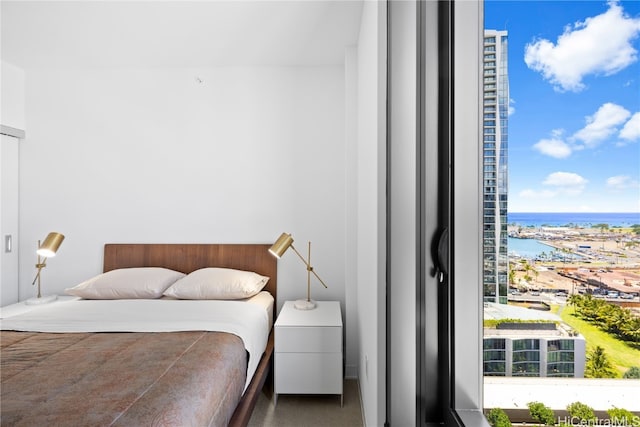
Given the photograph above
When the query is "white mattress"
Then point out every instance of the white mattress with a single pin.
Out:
(250, 319)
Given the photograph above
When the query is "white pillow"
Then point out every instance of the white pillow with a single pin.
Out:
(127, 283)
(217, 283)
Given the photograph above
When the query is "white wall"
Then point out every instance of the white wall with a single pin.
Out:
(403, 219)
(371, 206)
(12, 82)
(158, 156)
(351, 248)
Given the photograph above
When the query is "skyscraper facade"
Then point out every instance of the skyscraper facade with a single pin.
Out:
(495, 174)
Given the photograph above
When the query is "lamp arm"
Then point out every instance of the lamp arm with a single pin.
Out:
(36, 278)
(318, 277)
(39, 266)
(309, 267)
(301, 257)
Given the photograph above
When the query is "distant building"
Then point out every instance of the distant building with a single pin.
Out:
(533, 356)
(531, 349)
(495, 185)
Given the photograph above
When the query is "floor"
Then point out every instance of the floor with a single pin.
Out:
(309, 411)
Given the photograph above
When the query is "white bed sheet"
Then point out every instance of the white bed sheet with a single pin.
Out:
(250, 319)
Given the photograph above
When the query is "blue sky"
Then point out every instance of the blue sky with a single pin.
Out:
(574, 130)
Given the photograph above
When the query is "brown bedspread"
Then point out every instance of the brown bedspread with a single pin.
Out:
(128, 379)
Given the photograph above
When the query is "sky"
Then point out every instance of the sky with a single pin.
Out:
(574, 124)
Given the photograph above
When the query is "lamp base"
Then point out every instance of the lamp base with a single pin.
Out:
(42, 300)
(303, 304)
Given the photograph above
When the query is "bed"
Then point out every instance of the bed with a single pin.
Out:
(102, 373)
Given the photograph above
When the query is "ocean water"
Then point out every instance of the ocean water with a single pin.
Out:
(531, 248)
(527, 248)
(581, 219)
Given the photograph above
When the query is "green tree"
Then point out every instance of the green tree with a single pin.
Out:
(498, 418)
(512, 274)
(598, 364)
(609, 317)
(574, 299)
(541, 413)
(633, 372)
(620, 417)
(581, 411)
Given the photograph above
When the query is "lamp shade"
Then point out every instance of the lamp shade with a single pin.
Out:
(281, 245)
(50, 246)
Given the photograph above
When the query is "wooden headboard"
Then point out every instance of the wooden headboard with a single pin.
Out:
(190, 257)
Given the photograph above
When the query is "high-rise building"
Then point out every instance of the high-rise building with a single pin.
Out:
(495, 185)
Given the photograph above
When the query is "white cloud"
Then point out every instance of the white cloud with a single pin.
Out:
(599, 45)
(537, 194)
(512, 109)
(566, 182)
(602, 124)
(622, 182)
(561, 183)
(631, 129)
(553, 147)
(557, 133)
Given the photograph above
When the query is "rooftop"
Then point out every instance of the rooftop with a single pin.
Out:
(557, 393)
(497, 311)
(518, 330)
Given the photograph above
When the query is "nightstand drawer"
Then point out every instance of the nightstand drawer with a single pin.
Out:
(315, 373)
(308, 339)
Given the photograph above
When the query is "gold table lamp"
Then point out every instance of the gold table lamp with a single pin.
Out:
(284, 242)
(47, 249)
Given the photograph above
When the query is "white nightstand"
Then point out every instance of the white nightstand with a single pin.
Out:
(308, 350)
(22, 307)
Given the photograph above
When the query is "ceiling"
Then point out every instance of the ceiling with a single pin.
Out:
(157, 33)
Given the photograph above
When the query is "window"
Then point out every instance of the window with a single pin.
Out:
(542, 124)
(478, 255)
(494, 356)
